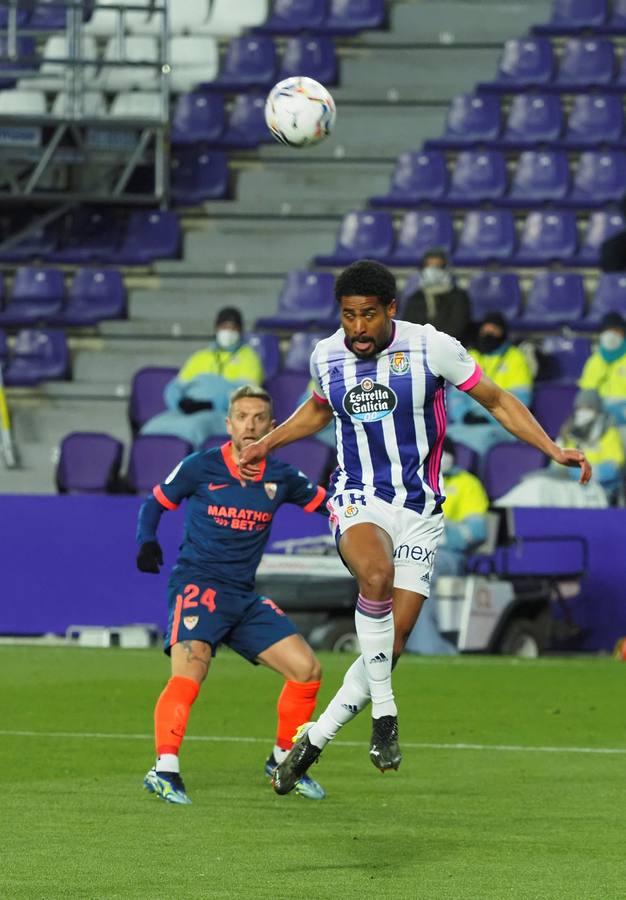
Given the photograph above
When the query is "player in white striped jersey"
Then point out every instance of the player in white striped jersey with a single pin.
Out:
(383, 382)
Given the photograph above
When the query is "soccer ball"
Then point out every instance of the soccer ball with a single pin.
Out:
(300, 112)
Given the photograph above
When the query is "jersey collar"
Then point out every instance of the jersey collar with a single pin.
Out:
(231, 465)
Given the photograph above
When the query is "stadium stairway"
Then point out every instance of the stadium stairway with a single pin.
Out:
(395, 87)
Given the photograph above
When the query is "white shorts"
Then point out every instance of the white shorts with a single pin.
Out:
(415, 538)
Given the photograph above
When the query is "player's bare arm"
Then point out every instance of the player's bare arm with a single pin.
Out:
(517, 418)
(308, 419)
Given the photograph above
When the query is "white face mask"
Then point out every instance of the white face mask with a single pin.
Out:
(611, 340)
(447, 462)
(433, 275)
(227, 338)
(584, 416)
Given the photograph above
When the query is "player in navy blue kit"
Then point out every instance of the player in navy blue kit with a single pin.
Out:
(211, 588)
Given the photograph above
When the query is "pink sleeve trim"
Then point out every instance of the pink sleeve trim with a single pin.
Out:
(316, 501)
(320, 399)
(472, 381)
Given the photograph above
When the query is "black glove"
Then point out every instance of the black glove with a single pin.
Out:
(188, 406)
(150, 557)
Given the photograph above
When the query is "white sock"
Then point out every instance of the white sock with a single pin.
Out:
(279, 753)
(168, 762)
(374, 628)
(349, 700)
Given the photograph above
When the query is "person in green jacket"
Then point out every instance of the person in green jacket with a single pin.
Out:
(605, 370)
(197, 399)
(506, 365)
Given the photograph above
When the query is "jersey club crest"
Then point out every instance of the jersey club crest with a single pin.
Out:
(399, 363)
(270, 489)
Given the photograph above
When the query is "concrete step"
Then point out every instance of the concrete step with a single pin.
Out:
(125, 357)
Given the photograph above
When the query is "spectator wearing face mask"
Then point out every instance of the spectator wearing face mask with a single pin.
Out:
(504, 364)
(591, 429)
(197, 399)
(438, 301)
(465, 514)
(605, 370)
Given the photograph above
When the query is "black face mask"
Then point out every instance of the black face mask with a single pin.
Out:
(487, 343)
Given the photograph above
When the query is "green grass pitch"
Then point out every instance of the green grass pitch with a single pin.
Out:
(454, 822)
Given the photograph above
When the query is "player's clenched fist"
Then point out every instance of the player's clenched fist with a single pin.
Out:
(150, 557)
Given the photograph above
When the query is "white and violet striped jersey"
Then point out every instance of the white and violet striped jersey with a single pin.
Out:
(390, 412)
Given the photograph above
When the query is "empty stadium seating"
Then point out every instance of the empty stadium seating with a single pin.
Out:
(418, 176)
(89, 463)
(146, 394)
(362, 234)
(37, 356)
(152, 458)
(506, 464)
(306, 299)
(197, 176)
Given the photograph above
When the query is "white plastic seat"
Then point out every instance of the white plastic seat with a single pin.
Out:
(92, 106)
(104, 21)
(51, 75)
(22, 103)
(193, 60)
(136, 105)
(228, 19)
(135, 49)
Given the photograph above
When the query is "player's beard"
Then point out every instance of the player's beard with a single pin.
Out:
(375, 347)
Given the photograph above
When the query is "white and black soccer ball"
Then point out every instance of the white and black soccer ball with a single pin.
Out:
(300, 112)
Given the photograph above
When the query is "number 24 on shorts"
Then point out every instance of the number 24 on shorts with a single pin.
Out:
(190, 593)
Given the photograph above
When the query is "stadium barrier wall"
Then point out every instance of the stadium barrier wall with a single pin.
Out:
(70, 560)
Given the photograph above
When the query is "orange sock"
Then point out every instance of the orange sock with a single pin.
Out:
(172, 712)
(295, 706)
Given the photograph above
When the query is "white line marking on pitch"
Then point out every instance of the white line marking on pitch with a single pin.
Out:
(498, 748)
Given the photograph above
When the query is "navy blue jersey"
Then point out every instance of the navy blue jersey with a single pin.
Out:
(227, 521)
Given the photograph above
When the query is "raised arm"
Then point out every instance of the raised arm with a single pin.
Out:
(516, 418)
(309, 418)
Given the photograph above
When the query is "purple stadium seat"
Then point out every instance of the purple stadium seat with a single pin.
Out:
(26, 57)
(309, 455)
(198, 117)
(38, 356)
(600, 178)
(90, 235)
(146, 394)
(300, 348)
(4, 348)
(22, 15)
(49, 15)
(306, 299)
(311, 55)
(150, 235)
(465, 458)
(547, 236)
(268, 348)
(525, 62)
(293, 16)
(89, 463)
(562, 359)
(617, 16)
(594, 119)
(586, 62)
(610, 296)
(37, 296)
(540, 176)
(571, 16)
(471, 119)
(246, 124)
(198, 175)
(421, 230)
(250, 62)
(552, 404)
(285, 390)
(152, 458)
(602, 225)
(495, 292)
(555, 299)
(506, 464)
(487, 236)
(94, 295)
(41, 243)
(350, 16)
(419, 176)
(361, 234)
(478, 176)
(533, 119)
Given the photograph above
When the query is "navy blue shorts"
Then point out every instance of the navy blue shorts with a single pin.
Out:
(206, 611)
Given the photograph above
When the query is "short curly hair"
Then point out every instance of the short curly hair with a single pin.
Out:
(366, 278)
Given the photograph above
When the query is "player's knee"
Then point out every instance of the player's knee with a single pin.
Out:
(309, 669)
(377, 583)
